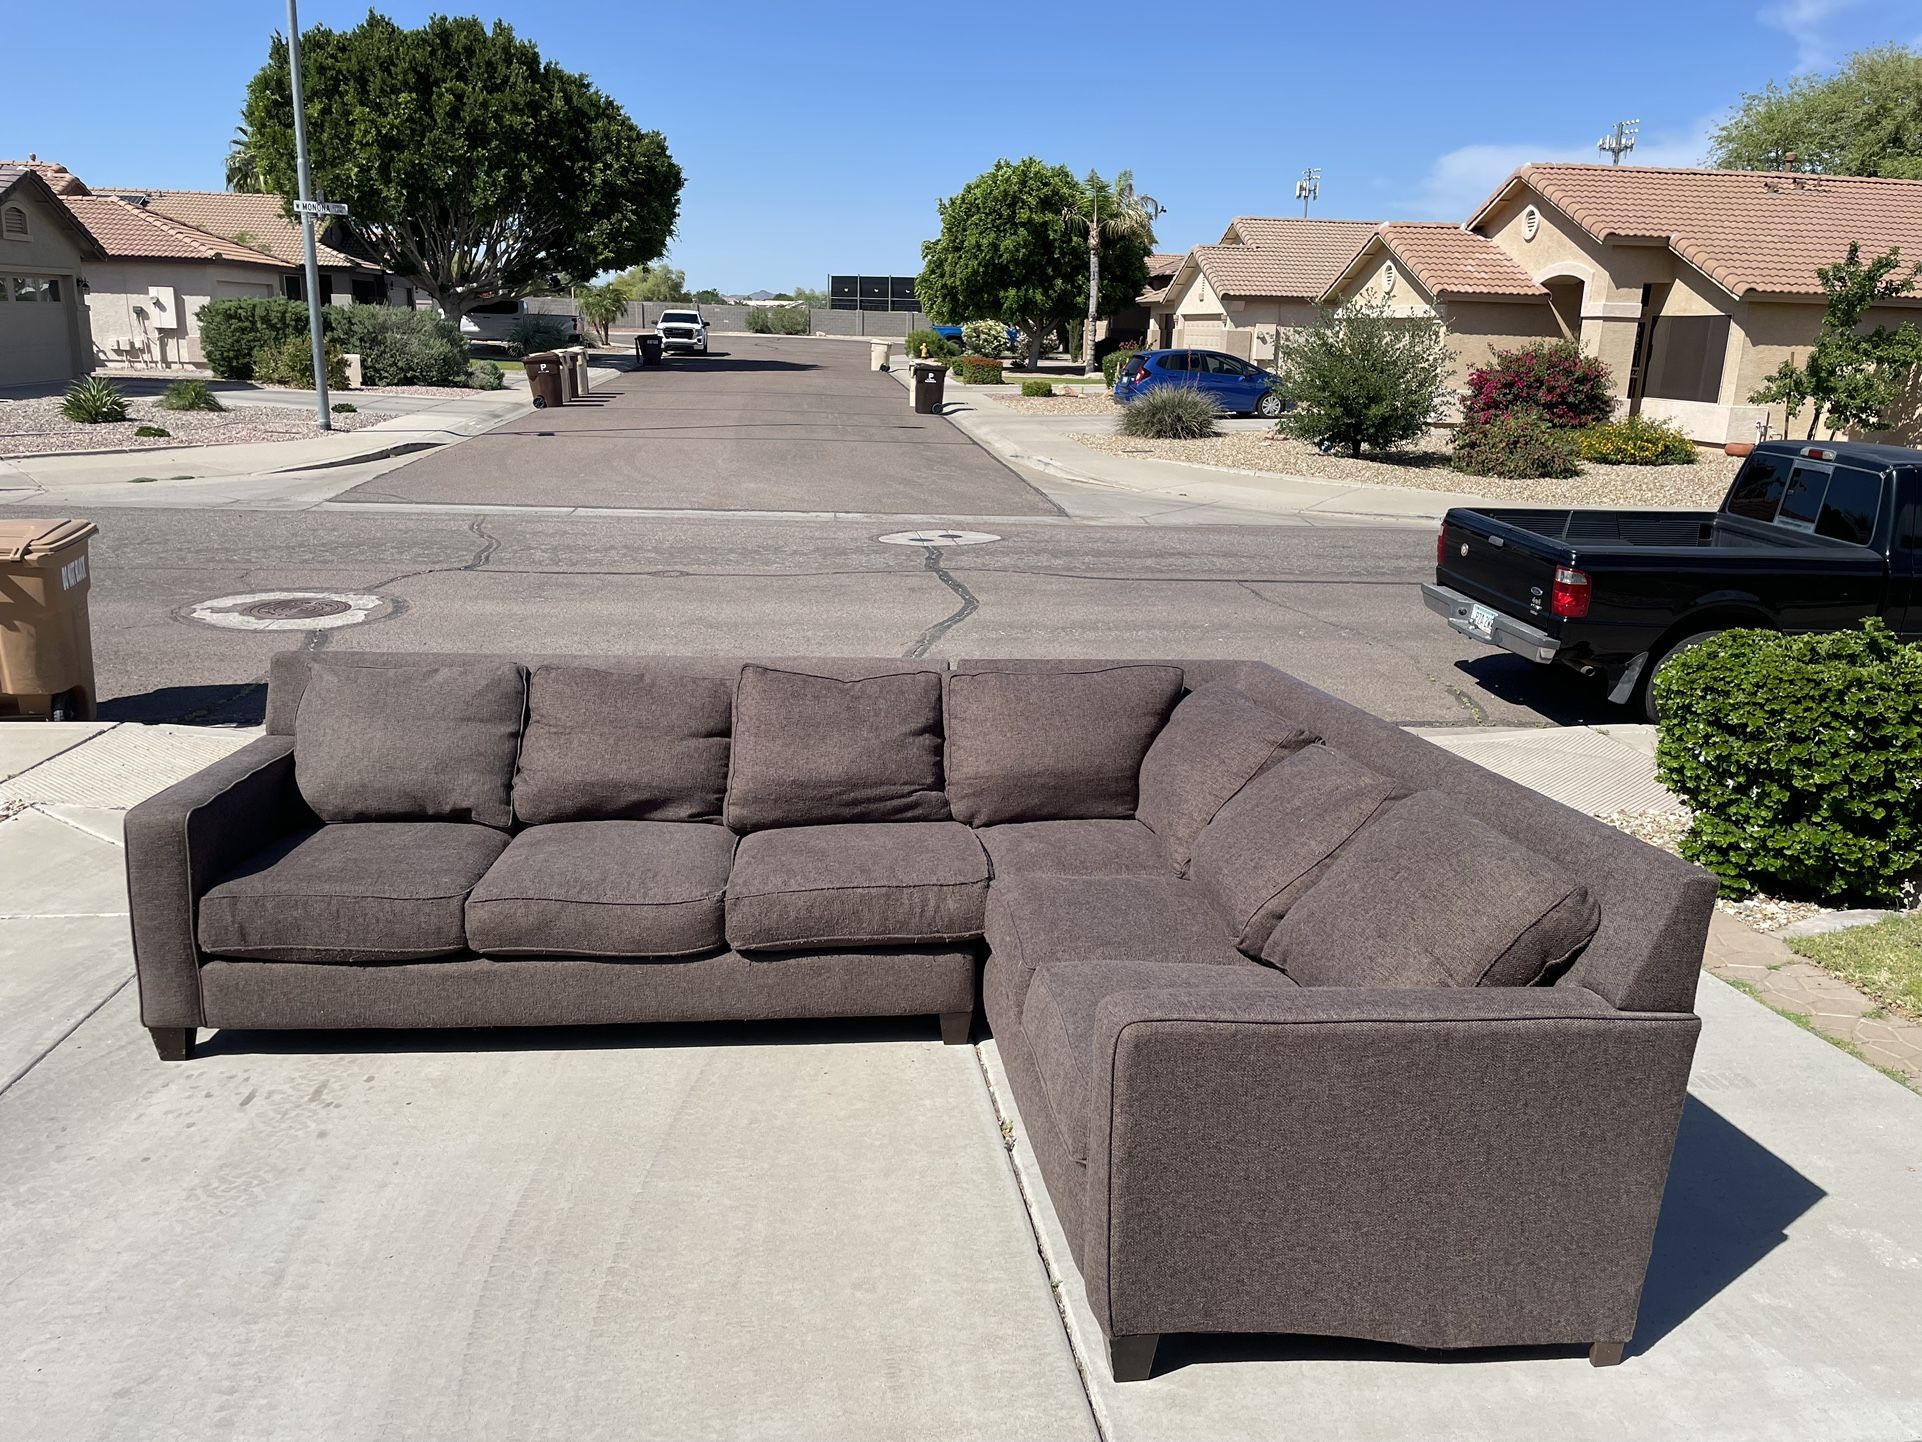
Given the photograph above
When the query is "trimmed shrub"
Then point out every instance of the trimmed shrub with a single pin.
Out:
(985, 337)
(532, 332)
(1801, 757)
(343, 408)
(291, 363)
(485, 376)
(151, 433)
(190, 396)
(1171, 413)
(939, 346)
(1362, 377)
(1556, 380)
(1037, 388)
(980, 370)
(1636, 441)
(234, 331)
(94, 401)
(1517, 446)
(1112, 363)
(401, 347)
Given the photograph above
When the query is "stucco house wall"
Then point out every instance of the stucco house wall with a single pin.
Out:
(130, 329)
(40, 340)
(1473, 330)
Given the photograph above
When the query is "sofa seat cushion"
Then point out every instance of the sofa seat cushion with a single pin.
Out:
(1430, 896)
(1058, 1023)
(1271, 843)
(1216, 741)
(1052, 745)
(604, 889)
(1074, 848)
(1039, 921)
(885, 884)
(350, 892)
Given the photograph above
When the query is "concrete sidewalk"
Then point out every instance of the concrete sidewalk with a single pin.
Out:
(784, 1230)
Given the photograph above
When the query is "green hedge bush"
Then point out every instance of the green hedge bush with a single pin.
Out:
(985, 337)
(1516, 445)
(939, 346)
(399, 347)
(778, 320)
(234, 331)
(291, 363)
(485, 376)
(1171, 413)
(1037, 388)
(1112, 363)
(980, 370)
(1636, 441)
(1801, 757)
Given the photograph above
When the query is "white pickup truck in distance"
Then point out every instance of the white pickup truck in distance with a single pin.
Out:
(682, 330)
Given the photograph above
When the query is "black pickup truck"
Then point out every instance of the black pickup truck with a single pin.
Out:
(1809, 538)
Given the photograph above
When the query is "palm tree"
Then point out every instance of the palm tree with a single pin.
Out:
(243, 166)
(1113, 213)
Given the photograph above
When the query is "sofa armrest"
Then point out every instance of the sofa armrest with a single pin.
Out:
(179, 842)
(1436, 1167)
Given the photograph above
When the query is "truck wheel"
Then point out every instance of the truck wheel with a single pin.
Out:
(1687, 643)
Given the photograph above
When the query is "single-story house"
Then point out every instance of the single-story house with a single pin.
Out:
(1266, 274)
(1129, 325)
(44, 252)
(1693, 285)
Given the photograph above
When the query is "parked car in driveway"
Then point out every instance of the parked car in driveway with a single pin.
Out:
(494, 320)
(952, 334)
(1231, 382)
(682, 330)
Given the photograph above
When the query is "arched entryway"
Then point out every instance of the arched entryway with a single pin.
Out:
(1565, 300)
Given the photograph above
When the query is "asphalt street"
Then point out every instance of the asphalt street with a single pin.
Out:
(460, 562)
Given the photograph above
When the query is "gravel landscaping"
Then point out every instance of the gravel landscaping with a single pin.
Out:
(1425, 468)
(36, 427)
(1100, 404)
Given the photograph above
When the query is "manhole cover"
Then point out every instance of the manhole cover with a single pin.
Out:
(937, 536)
(289, 610)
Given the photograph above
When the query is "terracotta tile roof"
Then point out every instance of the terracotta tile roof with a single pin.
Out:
(129, 232)
(59, 179)
(1751, 231)
(1296, 230)
(1286, 257)
(15, 174)
(1164, 263)
(1448, 260)
(258, 217)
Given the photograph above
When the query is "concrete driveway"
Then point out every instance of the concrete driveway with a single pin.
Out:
(757, 425)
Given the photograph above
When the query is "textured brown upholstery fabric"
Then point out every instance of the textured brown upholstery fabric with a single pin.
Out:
(1052, 745)
(811, 887)
(609, 889)
(1268, 846)
(419, 743)
(813, 750)
(621, 746)
(1074, 848)
(1058, 1022)
(350, 892)
(179, 842)
(1429, 897)
(1216, 741)
(878, 981)
(1037, 921)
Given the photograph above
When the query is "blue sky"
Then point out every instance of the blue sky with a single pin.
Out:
(818, 137)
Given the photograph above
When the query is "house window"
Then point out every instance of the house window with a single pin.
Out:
(293, 287)
(369, 292)
(1686, 363)
(13, 224)
(26, 288)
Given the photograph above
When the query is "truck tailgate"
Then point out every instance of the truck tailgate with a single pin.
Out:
(1498, 565)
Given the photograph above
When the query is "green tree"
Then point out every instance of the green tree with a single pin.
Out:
(243, 167)
(1363, 377)
(709, 296)
(1004, 253)
(1113, 215)
(1865, 119)
(656, 283)
(470, 164)
(1853, 378)
(601, 305)
(812, 299)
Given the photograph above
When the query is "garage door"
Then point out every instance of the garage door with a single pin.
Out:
(1200, 334)
(35, 343)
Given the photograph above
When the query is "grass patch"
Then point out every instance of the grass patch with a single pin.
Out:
(1883, 961)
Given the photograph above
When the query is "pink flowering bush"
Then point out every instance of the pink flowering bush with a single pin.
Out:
(1554, 379)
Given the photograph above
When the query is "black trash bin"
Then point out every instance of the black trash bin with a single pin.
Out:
(930, 385)
(647, 348)
(544, 379)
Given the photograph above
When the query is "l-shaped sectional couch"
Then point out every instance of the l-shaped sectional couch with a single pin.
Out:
(1314, 1027)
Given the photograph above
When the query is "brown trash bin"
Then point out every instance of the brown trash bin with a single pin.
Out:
(544, 379)
(647, 348)
(46, 642)
(930, 386)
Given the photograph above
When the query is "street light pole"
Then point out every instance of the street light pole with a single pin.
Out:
(324, 417)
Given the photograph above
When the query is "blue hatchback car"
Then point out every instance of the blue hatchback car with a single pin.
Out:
(1236, 386)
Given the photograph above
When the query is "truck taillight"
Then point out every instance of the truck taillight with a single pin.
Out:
(1441, 544)
(1569, 597)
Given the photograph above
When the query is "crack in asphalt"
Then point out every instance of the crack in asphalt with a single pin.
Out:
(931, 563)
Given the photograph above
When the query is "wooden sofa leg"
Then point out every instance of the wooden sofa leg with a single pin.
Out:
(174, 1043)
(1606, 1354)
(955, 1026)
(1132, 1359)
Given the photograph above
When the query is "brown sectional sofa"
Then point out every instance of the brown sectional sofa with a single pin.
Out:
(1314, 1027)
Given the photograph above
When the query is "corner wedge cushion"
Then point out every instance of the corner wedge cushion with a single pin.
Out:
(410, 743)
(1052, 745)
(1267, 845)
(1429, 896)
(811, 750)
(622, 746)
(1214, 744)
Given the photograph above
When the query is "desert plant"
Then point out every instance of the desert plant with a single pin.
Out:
(601, 305)
(485, 376)
(1801, 757)
(1362, 377)
(1037, 388)
(777, 320)
(400, 347)
(980, 370)
(94, 401)
(1636, 441)
(939, 347)
(151, 433)
(1516, 445)
(1171, 413)
(532, 333)
(1112, 363)
(291, 363)
(234, 331)
(343, 408)
(190, 396)
(985, 338)
(1556, 380)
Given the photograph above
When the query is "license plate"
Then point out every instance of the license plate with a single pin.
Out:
(1481, 621)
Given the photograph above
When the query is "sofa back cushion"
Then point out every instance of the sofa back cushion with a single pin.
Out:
(1214, 744)
(1429, 896)
(1269, 844)
(410, 743)
(1052, 745)
(622, 746)
(814, 751)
